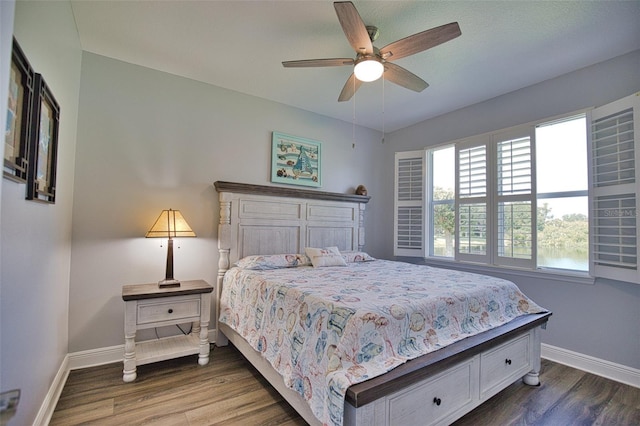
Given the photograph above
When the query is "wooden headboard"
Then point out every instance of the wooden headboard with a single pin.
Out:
(258, 219)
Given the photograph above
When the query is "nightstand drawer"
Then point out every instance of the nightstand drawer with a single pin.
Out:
(152, 311)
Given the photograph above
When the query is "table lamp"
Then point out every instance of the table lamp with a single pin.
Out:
(170, 224)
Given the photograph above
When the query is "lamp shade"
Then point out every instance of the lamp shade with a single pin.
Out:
(170, 224)
(368, 70)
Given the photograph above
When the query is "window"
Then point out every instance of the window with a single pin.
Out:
(555, 195)
(562, 194)
(442, 202)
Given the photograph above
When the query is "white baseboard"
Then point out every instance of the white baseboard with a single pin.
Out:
(600, 367)
(51, 399)
(108, 355)
(93, 357)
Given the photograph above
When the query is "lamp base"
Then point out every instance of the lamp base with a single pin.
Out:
(168, 283)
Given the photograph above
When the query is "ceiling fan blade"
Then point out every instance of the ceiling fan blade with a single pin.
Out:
(400, 76)
(420, 41)
(350, 88)
(332, 62)
(353, 27)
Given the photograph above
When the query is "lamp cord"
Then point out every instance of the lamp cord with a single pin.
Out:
(184, 332)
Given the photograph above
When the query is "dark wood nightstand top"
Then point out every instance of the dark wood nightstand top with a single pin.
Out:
(152, 290)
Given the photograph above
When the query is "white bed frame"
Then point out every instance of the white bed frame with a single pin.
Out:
(436, 388)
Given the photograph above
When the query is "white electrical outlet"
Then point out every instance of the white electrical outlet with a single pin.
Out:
(8, 405)
(9, 400)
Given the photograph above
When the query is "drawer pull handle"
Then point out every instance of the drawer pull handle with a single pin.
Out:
(437, 401)
(171, 311)
(507, 361)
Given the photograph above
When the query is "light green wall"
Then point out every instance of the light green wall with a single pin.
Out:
(148, 141)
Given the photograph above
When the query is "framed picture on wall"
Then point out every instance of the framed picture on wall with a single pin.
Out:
(295, 160)
(43, 146)
(16, 135)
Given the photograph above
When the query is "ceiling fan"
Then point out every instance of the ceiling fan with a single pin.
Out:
(370, 62)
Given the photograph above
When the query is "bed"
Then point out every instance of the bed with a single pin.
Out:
(432, 383)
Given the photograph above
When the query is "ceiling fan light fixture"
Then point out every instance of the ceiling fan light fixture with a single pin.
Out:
(368, 70)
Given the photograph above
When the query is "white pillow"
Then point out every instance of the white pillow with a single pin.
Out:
(273, 261)
(356, 256)
(328, 256)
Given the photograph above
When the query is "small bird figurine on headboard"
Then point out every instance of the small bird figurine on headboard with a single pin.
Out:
(361, 190)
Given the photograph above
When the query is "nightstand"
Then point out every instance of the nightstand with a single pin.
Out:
(148, 306)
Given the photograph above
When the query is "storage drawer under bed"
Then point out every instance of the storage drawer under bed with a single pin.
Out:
(504, 364)
(437, 400)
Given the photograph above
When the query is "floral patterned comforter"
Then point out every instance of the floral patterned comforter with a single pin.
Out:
(324, 329)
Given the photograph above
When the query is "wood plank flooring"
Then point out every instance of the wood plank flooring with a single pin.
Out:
(228, 391)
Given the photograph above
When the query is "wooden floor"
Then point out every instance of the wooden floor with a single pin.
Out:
(228, 391)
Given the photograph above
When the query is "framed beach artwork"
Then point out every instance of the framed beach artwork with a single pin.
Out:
(295, 160)
(43, 147)
(16, 135)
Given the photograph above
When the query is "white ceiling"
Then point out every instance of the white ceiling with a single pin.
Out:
(239, 45)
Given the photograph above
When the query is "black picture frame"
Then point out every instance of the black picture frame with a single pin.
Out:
(43, 146)
(19, 109)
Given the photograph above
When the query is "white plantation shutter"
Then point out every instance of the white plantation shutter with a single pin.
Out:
(514, 239)
(514, 166)
(495, 199)
(472, 214)
(615, 193)
(473, 171)
(409, 220)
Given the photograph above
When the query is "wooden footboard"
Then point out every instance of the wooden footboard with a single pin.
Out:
(434, 389)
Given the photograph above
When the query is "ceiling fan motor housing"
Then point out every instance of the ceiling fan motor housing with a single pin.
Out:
(373, 32)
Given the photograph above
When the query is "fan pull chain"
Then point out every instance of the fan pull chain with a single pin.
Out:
(383, 81)
(353, 121)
